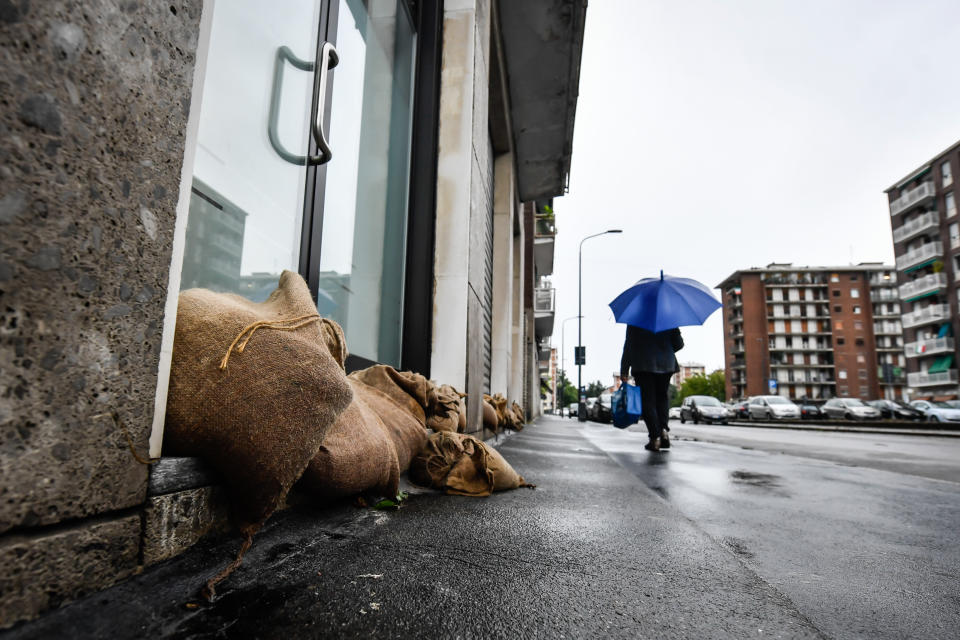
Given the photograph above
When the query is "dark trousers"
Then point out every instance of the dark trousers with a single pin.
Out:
(653, 392)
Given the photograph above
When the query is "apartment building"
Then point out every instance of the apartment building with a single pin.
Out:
(687, 371)
(813, 332)
(926, 243)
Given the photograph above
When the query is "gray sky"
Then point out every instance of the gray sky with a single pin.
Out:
(727, 135)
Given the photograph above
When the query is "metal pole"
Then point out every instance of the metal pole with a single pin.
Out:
(581, 405)
(563, 351)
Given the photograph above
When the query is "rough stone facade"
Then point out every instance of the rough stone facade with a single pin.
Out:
(94, 98)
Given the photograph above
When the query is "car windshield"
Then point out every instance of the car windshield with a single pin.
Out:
(706, 401)
(853, 402)
(777, 400)
(942, 405)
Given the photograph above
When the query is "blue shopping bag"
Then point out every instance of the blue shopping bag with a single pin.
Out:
(623, 417)
(634, 401)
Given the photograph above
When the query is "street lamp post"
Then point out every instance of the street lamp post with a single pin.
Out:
(563, 352)
(581, 405)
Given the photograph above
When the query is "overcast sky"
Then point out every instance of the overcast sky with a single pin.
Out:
(726, 135)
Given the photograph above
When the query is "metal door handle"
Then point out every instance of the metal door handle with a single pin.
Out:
(284, 54)
(327, 59)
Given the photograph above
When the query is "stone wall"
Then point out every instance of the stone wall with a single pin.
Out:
(94, 99)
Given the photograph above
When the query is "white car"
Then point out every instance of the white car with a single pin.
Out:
(937, 411)
(674, 413)
(772, 408)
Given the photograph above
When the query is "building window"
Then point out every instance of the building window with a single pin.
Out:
(837, 308)
(858, 326)
(854, 293)
(842, 374)
(838, 326)
(864, 392)
(856, 309)
(834, 278)
(860, 358)
(841, 341)
(946, 173)
(836, 293)
(862, 374)
(954, 230)
(951, 204)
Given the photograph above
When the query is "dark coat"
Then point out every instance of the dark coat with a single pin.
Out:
(652, 352)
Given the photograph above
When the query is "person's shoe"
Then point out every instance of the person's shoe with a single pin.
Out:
(653, 445)
(664, 441)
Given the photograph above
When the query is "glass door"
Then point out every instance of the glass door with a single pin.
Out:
(359, 268)
(247, 196)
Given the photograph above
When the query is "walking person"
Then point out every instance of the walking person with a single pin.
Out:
(650, 358)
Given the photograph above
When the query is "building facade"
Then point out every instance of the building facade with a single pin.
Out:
(813, 332)
(391, 152)
(926, 243)
(687, 371)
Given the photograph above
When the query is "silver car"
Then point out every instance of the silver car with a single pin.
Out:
(850, 409)
(937, 411)
(772, 408)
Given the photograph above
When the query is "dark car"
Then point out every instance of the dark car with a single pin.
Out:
(703, 409)
(740, 410)
(603, 409)
(891, 409)
(810, 410)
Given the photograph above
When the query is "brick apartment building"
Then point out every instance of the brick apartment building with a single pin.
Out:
(814, 332)
(926, 243)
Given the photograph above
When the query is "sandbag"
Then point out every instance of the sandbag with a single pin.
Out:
(491, 420)
(519, 418)
(450, 391)
(435, 407)
(359, 453)
(460, 464)
(254, 387)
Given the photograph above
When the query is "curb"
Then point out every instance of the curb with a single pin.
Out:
(845, 429)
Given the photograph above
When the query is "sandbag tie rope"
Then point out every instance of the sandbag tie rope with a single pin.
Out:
(279, 325)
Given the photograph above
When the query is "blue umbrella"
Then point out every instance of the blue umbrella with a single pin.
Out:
(667, 302)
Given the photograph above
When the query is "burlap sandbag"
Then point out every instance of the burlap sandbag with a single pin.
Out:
(450, 392)
(518, 417)
(460, 464)
(491, 420)
(435, 407)
(360, 453)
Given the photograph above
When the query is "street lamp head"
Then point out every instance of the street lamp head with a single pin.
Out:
(615, 231)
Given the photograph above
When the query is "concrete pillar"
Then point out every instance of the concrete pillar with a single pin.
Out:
(503, 275)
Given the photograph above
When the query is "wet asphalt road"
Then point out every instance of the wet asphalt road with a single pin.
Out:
(861, 532)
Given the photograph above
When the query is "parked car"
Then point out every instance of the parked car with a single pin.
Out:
(603, 408)
(810, 410)
(850, 409)
(894, 410)
(937, 411)
(953, 403)
(772, 408)
(703, 409)
(572, 410)
(740, 410)
(674, 413)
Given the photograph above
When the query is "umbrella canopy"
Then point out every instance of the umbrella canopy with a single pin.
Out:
(667, 302)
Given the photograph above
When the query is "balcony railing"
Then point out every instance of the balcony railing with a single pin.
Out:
(927, 284)
(920, 254)
(543, 300)
(545, 226)
(929, 220)
(928, 347)
(933, 313)
(922, 379)
(913, 197)
(881, 294)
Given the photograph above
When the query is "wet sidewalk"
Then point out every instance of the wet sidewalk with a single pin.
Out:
(591, 552)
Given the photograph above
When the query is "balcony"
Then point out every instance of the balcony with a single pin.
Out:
(919, 255)
(922, 379)
(912, 198)
(928, 347)
(544, 241)
(927, 315)
(543, 310)
(929, 221)
(921, 286)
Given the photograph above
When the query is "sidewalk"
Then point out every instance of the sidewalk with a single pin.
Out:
(591, 552)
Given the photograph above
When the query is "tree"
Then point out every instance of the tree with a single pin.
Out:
(594, 389)
(565, 389)
(714, 385)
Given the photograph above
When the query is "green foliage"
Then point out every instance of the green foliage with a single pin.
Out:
(392, 505)
(714, 384)
(568, 394)
(594, 389)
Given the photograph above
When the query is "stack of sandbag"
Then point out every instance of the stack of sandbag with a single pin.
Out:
(507, 416)
(450, 392)
(460, 464)
(254, 389)
(491, 418)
